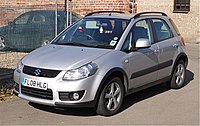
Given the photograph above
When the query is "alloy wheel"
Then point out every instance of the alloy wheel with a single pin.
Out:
(2, 42)
(180, 74)
(113, 96)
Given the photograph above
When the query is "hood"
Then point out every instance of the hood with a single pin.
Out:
(4, 28)
(61, 57)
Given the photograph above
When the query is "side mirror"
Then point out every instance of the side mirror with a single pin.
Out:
(143, 43)
(10, 23)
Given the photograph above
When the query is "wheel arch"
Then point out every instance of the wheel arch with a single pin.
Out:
(115, 72)
(181, 56)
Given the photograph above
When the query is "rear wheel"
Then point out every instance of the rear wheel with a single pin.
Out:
(111, 97)
(178, 76)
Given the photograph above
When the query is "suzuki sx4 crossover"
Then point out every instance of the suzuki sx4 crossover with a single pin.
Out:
(102, 58)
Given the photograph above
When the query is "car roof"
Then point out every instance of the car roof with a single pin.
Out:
(62, 12)
(127, 16)
(113, 16)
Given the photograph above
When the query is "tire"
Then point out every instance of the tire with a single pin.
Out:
(111, 98)
(178, 76)
(2, 43)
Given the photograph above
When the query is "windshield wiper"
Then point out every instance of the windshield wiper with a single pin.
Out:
(74, 44)
(81, 44)
(103, 46)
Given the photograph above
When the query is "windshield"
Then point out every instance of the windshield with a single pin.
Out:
(97, 32)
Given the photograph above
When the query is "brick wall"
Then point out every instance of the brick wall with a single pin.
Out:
(10, 9)
(188, 23)
(9, 13)
(85, 6)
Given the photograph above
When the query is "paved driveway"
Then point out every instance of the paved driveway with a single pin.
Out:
(153, 106)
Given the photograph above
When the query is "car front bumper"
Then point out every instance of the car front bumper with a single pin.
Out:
(56, 85)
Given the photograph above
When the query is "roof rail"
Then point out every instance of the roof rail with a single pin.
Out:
(142, 13)
(96, 12)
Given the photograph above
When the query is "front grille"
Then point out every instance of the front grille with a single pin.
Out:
(37, 93)
(40, 72)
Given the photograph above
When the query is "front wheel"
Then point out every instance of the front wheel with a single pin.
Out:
(178, 76)
(2, 43)
(111, 97)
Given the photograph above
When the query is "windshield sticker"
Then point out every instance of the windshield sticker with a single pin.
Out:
(115, 38)
(91, 25)
(108, 32)
(112, 43)
(101, 30)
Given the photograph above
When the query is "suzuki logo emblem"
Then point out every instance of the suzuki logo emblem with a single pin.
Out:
(37, 72)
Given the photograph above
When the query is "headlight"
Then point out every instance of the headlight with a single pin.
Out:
(81, 72)
(20, 66)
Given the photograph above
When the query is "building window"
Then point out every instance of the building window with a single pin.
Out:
(181, 5)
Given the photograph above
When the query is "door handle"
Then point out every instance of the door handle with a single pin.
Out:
(126, 61)
(155, 51)
(175, 45)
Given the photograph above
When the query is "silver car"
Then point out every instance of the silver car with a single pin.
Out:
(102, 58)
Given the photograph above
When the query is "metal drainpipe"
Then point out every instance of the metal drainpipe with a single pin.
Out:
(70, 12)
(67, 14)
(56, 20)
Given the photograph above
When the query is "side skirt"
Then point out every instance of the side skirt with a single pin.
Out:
(133, 90)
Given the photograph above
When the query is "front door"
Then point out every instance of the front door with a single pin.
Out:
(20, 32)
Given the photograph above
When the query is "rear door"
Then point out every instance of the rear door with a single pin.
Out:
(142, 62)
(167, 46)
(39, 31)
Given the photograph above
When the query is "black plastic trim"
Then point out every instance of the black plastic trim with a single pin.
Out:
(178, 58)
(89, 104)
(151, 69)
(133, 90)
(139, 14)
(15, 92)
(37, 93)
(96, 12)
(43, 72)
(104, 80)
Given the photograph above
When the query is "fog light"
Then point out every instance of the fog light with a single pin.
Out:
(76, 96)
(71, 96)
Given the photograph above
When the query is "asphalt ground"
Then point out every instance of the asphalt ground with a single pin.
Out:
(154, 106)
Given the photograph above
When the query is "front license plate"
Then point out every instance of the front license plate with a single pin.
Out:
(34, 84)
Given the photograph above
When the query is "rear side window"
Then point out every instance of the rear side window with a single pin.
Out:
(162, 29)
(38, 19)
(175, 27)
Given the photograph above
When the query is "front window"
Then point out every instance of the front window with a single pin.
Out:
(141, 30)
(97, 32)
(22, 19)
